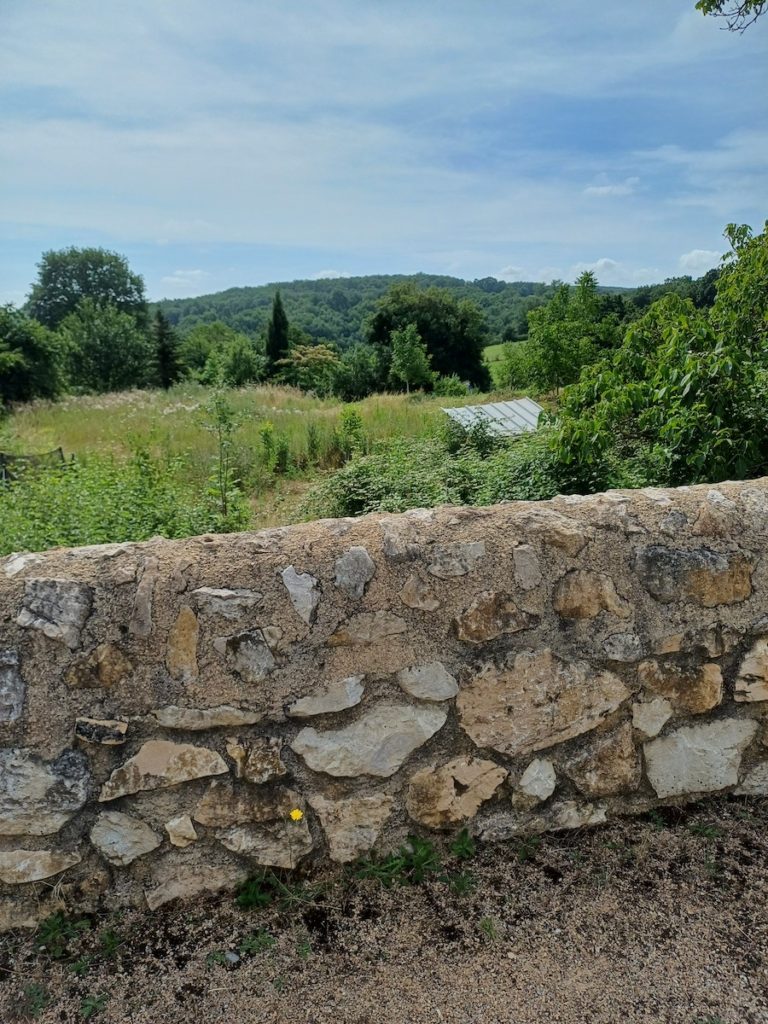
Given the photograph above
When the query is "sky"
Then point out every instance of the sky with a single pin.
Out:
(240, 142)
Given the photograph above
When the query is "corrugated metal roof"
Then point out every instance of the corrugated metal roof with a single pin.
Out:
(505, 419)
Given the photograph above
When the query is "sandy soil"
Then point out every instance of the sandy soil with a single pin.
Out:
(657, 920)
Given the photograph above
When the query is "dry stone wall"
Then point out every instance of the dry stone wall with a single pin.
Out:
(174, 715)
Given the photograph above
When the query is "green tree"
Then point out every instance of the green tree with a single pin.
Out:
(31, 358)
(310, 367)
(357, 374)
(277, 333)
(454, 331)
(107, 350)
(688, 385)
(738, 15)
(237, 363)
(67, 276)
(166, 344)
(410, 359)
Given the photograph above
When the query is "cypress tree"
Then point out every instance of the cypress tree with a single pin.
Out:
(277, 333)
(166, 351)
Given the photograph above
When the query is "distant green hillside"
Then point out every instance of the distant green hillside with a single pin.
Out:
(335, 310)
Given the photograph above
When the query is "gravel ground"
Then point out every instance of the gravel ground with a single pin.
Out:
(654, 920)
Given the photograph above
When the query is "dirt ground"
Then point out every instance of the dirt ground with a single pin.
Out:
(653, 920)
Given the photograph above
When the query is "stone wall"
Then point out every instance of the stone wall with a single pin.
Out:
(175, 714)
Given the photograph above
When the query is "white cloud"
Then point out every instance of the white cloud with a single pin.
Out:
(627, 187)
(699, 261)
(510, 273)
(185, 281)
(614, 272)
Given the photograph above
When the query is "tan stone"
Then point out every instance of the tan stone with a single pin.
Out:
(367, 628)
(184, 875)
(283, 844)
(258, 760)
(610, 764)
(536, 702)
(445, 796)
(752, 680)
(229, 604)
(704, 577)
(141, 618)
(669, 644)
(223, 804)
(38, 797)
(554, 529)
(181, 652)
(121, 838)
(160, 764)
(197, 719)
(352, 826)
(692, 690)
(419, 595)
(431, 681)
(181, 831)
(491, 615)
(105, 666)
(17, 867)
(582, 594)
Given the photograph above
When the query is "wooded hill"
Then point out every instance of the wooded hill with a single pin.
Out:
(335, 310)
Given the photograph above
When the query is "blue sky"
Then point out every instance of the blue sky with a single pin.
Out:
(240, 142)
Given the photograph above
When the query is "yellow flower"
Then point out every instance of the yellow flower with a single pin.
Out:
(296, 814)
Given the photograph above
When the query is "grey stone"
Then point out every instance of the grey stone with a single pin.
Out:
(121, 839)
(755, 782)
(354, 570)
(623, 647)
(248, 654)
(538, 781)
(457, 559)
(141, 617)
(229, 604)
(376, 744)
(400, 541)
(367, 628)
(703, 577)
(698, 759)
(58, 608)
(36, 797)
(527, 570)
(184, 875)
(752, 680)
(11, 688)
(16, 563)
(338, 696)
(432, 681)
(649, 717)
(303, 591)
(282, 844)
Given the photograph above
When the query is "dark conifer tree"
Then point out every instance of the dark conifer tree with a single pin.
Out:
(166, 351)
(277, 333)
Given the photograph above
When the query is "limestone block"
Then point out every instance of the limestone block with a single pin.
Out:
(536, 702)
(755, 782)
(527, 568)
(354, 571)
(38, 797)
(623, 647)
(197, 719)
(58, 608)
(458, 559)
(376, 744)
(248, 654)
(257, 760)
(121, 838)
(184, 875)
(161, 764)
(352, 827)
(17, 867)
(702, 576)
(105, 666)
(689, 689)
(367, 628)
(609, 765)
(141, 617)
(11, 688)
(181, 652)
(439, 797)
(582, 594)
(752, 680)
(698, 758)
(304, 592)
(554, 529)
(419, 595)
(431, 681)
(279, 845)
(223, 804)
(337, 696)
(491, 615)
(650, 716)
(537, 783)
(181, 831)
(228, 604)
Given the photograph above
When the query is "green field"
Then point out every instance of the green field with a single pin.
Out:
(492, 356)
